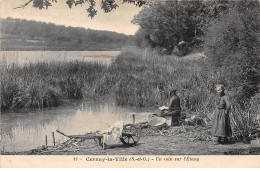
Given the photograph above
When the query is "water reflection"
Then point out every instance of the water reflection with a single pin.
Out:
(24, 131)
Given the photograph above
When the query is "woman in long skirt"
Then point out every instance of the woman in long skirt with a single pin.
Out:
(221, 127)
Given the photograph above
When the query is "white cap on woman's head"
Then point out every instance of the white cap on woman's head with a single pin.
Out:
(220, 87)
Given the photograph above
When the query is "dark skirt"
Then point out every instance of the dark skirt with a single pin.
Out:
(221, 124)
(174, 114)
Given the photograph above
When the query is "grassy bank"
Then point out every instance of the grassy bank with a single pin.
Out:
(145, 78)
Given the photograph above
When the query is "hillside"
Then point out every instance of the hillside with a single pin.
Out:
(19, 34)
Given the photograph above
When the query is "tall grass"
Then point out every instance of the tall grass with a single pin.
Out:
(137, 78)
(145, 78)
(50, 84)
(245, 120)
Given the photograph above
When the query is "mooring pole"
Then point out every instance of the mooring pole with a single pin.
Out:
(46, 140)
(53, 138)
(133, 119)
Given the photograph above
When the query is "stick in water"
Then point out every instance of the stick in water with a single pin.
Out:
(133, 119)
(53, 138)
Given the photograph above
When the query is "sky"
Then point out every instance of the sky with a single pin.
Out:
(118, 20)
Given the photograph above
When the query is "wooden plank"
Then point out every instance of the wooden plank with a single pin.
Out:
(86, 136)
(62, 133)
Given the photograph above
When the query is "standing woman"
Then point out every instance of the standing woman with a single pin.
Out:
(221, 127)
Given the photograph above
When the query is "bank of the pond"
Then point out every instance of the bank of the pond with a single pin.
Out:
(184, 140)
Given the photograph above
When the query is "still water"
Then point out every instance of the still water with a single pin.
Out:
(27, 130)
(25, 57)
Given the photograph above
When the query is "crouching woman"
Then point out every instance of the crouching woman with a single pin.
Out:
(172, 113)
(221, 127)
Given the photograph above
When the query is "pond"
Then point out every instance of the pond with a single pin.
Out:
(27, 130)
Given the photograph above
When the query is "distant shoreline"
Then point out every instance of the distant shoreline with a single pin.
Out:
(60, 50)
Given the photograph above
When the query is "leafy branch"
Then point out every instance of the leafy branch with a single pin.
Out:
(106, 5)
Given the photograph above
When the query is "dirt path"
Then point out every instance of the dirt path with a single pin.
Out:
(175, 141)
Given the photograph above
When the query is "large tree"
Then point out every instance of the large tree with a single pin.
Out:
(169, 22)
(166, 23)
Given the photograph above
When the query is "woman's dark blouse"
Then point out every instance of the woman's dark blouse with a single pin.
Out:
(224, 103)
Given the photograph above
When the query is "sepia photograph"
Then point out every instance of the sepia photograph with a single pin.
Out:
(137, 81)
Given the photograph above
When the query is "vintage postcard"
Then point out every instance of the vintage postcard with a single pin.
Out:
(130, 83)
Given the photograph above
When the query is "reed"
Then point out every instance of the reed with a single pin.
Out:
(136, 78)
(145, 79)
(49, 84)
(140, 78)
(244, 120)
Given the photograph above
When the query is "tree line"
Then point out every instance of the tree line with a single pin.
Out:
(57, 35)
